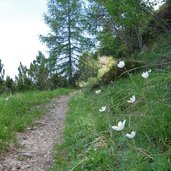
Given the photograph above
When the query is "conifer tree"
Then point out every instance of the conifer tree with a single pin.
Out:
(67, 38)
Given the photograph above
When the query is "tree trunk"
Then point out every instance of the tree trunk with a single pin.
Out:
(69, 43)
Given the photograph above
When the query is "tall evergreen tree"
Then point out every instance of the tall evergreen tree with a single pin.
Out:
(38, 72)
(67, 39)
(22, 80)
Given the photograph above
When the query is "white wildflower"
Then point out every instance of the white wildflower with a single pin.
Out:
(145, 75)
(132, 99)
(131, 135)
(102, 109)
(120, 126)
(98, 91)
(121, 64)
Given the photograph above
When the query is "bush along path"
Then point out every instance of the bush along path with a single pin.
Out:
(35, 150)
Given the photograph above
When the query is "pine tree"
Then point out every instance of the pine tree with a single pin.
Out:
(22, 80)
(38, 72)
(67, 40)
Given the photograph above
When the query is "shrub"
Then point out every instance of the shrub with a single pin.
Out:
(113, 72)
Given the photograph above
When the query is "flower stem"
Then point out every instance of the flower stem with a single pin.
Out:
(130, 77)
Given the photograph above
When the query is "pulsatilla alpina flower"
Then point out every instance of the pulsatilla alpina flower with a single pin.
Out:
(145, 75)
(98, 91)
(120, 126)
(121, 64)
(132, 99)
(102, 109)
(131, 135)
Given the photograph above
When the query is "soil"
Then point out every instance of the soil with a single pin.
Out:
(36, 144)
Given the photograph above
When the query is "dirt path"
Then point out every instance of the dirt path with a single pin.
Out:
(36, 144)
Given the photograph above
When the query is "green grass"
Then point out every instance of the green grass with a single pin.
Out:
(19, 110)
(91, 144)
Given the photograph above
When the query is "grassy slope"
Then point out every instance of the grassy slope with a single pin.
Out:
(17, 111)
(91, 144)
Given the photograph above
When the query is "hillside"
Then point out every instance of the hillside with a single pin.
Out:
(90, 143)
(116, 56)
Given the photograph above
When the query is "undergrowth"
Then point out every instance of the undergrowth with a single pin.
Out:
(159, 52)
(19, 110)
(90, 143)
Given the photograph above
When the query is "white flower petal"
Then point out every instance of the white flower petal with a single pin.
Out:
(129, 101)
(116, 128)
(119, 124)
(133, 98)
(123, 124)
